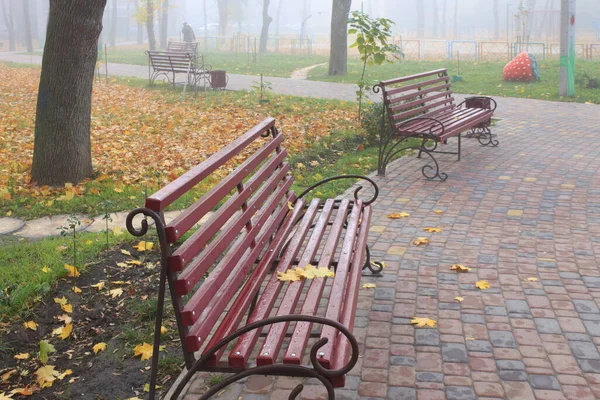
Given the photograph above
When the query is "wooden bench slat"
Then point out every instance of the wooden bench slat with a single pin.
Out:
(422, 125)
(343, 350)
(274, 339)
(161, 199)
(187, 251)
(241, 304)
(414, 87)
(183, 222)
(425, 100)
(467, 123)
(297, 345)
(340, 283)
(242, 350)
(420, 110)
(199, 266)
(413, 77)
(221, 286)
(440, 88)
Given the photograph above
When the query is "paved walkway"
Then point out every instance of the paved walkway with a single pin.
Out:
(526, 218)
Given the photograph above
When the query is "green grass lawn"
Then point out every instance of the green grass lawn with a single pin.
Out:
(478, 78)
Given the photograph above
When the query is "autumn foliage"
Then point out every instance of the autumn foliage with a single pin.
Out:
(138, 134)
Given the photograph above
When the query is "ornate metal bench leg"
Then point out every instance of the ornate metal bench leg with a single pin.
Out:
(484, 136)
(374, 266)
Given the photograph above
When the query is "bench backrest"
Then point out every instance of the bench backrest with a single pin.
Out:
(171, 61)
(249, 204)
(186, 47)
(413, 95)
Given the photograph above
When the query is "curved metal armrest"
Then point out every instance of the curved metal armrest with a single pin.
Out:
(483, 100)
(427, 132)
(338, 177)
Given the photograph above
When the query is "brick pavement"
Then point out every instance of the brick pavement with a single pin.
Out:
(527, 209)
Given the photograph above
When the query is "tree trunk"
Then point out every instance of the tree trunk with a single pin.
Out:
(9, 21)
(436, 19)
(27, 26)
(150, 25)
(338, 54)
(496, 21)
(444, 9)
(456, 33)
(164, 23)
(113, 24)
(62, 149)
(127, 20)
(278, 18)
(420, 19)
(264, 32)
(222, 17)
(140, 27)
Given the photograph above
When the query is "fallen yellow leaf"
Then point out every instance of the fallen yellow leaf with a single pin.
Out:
(459, 299)
(98, 347)
(118, 190)
(6, 376)
(61, 301)
(290, 206)
(115, 292)
(88, 242)
(143, 350)
(66, 318)
(482, 285)
(421, 240)
(460, 268)
(99, 285)
(163, 330)
(30, 325)
(134, 262)
(72, 271)
(144, 246)
(126, 252)
(532, 279)
(117, 230)
(46, 375)
(432, 230)
(67, 308)
(22, 356)
(46, 269)
(369, 286)
(146, 389)
(75, 289)
(64, 331)
(398, 215)
(289, 275)
(438, 211)
(66, 373)
(26, 391)
(311, 272)
(8, 213)
(422, 322)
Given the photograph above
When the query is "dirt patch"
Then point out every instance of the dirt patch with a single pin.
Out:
(122, 322)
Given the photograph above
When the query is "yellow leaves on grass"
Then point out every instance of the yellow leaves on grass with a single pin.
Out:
(46, 270)
(72, 271)
(460, 268)
(144, 246)
(308, 272)
(30, 325)
(398, 215)
(98, 347)
(369, 286)
(143, 350)
(482, 285)
(422, 322)
(432, 230)
(419, 241)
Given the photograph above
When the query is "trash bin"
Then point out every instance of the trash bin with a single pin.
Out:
(218, 79)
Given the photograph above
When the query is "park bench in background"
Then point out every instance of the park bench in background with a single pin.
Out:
(226, 269)
(170, 64)
(423, 107)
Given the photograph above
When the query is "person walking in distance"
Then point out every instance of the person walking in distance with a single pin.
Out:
(188, 33)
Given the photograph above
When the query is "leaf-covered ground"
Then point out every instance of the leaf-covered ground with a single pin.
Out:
(141, 136)
(86, 332)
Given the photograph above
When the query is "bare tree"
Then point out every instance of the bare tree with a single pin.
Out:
(420, 19)
(9, 21)
(140, 27)
(436, 19)
(164, 23)
(150, 24)
(496, 21)
(62, 147)
(222, 17)
(338, 54)
(278, 18)
(27, 25)
(113, 24)
(264, 32)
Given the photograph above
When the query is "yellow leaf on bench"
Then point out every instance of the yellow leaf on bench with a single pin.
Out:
(290, 276)
(422, 322)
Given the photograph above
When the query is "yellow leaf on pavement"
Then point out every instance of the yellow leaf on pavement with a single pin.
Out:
(22, 356)
(432, 230)
(143, 350)
(422, 322)
(482, 285)
(532, 279)
(421, 240)
(98, 347)
(369, 286)
(144, 246)
(398, 215)
(46, 375)
(289, 275)
(460, 268)
(459, 299)
(30, 325)
(72, 271)
(438, 211)
(99, 285)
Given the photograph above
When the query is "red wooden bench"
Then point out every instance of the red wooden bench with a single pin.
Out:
(258, 226)
(422, 106)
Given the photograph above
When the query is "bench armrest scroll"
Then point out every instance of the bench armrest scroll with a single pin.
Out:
(338, 177)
